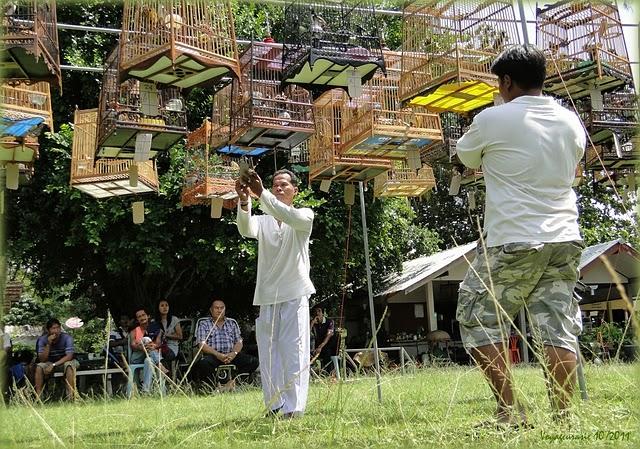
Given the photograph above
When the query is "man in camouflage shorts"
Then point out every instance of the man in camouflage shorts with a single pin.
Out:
(528, 148)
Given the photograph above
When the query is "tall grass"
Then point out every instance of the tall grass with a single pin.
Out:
(429, 407)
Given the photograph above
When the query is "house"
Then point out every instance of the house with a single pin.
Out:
(423, 297)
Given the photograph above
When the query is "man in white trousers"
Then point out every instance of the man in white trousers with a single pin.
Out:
(282, 290)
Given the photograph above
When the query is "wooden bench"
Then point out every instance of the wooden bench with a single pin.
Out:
(81, 376)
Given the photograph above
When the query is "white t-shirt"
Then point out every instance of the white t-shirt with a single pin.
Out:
(529, 149)
(283, 250)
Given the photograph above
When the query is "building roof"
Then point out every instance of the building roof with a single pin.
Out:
(592, 253)
(421, 270)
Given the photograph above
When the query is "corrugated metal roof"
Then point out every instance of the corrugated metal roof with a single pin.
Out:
(421, 269)
(591, 253)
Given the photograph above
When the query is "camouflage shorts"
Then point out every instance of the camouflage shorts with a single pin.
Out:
(503, 279)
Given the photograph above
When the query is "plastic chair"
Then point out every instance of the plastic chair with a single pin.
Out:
(133, 369)
(514, 350)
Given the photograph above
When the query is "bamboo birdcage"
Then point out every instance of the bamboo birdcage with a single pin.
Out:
(613, 154)
(104, 178)
(402, 180)
(20, 102)
(325, 159)
(448, 47)
(585, 47)
(133, 108)
(472, 177)
(206, 176)
(453, 127)
(263, 114)
(375, 124)
(182, 43)
(610, 116)
(299, 154)
(29, 41)
(329, 41)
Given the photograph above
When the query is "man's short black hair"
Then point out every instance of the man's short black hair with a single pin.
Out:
(51, 322)
(525, 64)
(292, 175)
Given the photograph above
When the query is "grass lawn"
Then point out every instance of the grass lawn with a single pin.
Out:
(431, 407)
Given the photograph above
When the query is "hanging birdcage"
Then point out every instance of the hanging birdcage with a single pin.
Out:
(105, 178)
(453, 127)
(182, 43)
(206, 175)
(375, 124)
(472, 177)
(137, 119)
(330, 43)
(612, 154)
(448, 48)
(29, 41)
(299, 154)
(585, 48)
(610, 116)
(24, 110)
(263, 114)
(402, 180)
(325, 159)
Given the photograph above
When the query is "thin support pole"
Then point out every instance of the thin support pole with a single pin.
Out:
(372, 315)
(523, 21)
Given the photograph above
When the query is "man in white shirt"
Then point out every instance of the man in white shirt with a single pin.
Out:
(282, 290)
(529, 148)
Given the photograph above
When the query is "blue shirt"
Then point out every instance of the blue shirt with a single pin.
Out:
(59, 348)
(222, 339)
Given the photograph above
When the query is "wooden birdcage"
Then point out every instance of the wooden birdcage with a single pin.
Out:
(460, 40)
(453, 127)
(327, 42)
(612, 154)
(21, 100)
(472, 177)
(585, 47)
(105, 178)
(29, 41)
(299, 154)
(137, 117)
(24, 110)
(206, 175)
(610, 116)
(402, 180)
(263, 113)
(326, 161)
(182, 43)
(375, 124)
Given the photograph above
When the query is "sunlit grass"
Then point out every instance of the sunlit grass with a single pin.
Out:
(433, 407)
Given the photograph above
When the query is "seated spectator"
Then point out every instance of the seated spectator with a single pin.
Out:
(119, 339)
(55, 352)
(322, 329)
(145, 344)
(169, 326)
(220, 342)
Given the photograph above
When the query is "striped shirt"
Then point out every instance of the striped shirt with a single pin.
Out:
(59, 348)
(222, 339)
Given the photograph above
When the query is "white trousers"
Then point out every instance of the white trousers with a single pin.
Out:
(282, 334)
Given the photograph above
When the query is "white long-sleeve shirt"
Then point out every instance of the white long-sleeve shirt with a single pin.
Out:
(283, 250)
(529, 149)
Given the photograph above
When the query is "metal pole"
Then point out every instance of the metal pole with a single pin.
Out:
(523, 21)
(524, 341)
(372, 315)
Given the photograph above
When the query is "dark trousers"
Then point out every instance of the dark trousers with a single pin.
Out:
(205, 368)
